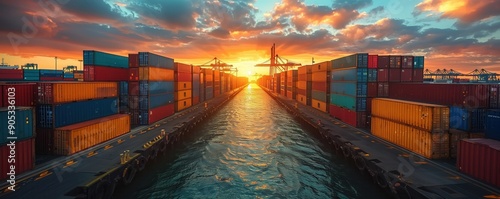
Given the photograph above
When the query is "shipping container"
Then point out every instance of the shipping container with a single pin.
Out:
(320, 105)
(383, 75)
(31, 75)
(78, 137)
(322, 66)
(417, 140)
(156, 74)
(373, 61)
(123, 88)
(418, 75)
(58, 115)
(102, 73)
(147, 59)
(407, 62)
(349, 102)
(428, 117)
(183, 104)
(71, 75)
(349, 88)
(480, 158)
(51, 73)
(406, 75)
(156, 100)
(22, 119)
(394, 61)
(372, 75)
(133, 74)
(23, 94)
(383, 89)
(492, 124)
(179, 86)
(372, 89)
(52, 92)
(418, 62)
(182, 95)
(183, 68)
(196, 69)
(183, 77)
(155, 87)
(160, 113)
(472, 120)
(349, 74)
(11, 74)
(44, 141)
(96, 58)
(133, 60)
(353, 118)
(320, 96)
(195, 100)
(383, 62)
(133, 102)
(78, 75)
(24, 158)
(51, 79)
(359, 60)
(320, 86)
(394, 75)
(133, 88)
(209, 93)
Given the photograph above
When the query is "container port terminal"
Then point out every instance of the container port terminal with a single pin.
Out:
(84, 134)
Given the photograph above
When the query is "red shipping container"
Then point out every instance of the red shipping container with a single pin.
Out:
(394, 75)
(480, 158)
(133, 60)
(383, 89)
(182, 68)
(394, 61)
(133, 88)
(11, 74)
(407, 62)
(353, 118)
(465, 95)
(196, 69)
(196, 100)
(418, 75)
(102, 73)
(301, 92)
(319, 86)
(216, 92)
(383, 75)
(44, 141)
(134, 117)
(133, 74)
(406, 74)
(494, 94)
(24, 158)
(372, 61)
(369, 105)
(51, 79)
(160, 113)
(372, 89)
(183, 77)
(25, 94)
(383, 62)
(133, 102)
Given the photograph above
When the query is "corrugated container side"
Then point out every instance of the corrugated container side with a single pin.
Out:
(349, 74)
(183, 104)
(353, 118)
(11, 74)
(349, 102)
(22, 94)
(183, 77)
(133, 74)
(372, 75)
(372, 89)
(372, 61)
(101, 73)
(24, 158)
(322, 106)
(179, 86)
(158, 100)
(147, 59)
(383, 75)
(407, 62)
(182, 95)
(50, 73)
(406, 75)
(394, 75)
(394, 61)
(383, 89)
(97, 58)
(183, 68)
(49, 93)
(349, 88)
(467, 119)
(319, 95)
(480, 158)
(418, 62)
(492, 124)
(418, 75)
(155, 87)
(24, 126)
(359, 60)
(133, 60)
(429, 145)
(156, 74)
(160, 113)
(322, 66)
(383, 61)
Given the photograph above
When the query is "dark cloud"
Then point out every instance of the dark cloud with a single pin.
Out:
(171, 14)
(220, 33)
(351, 4)
(376, 10)
(96, 10)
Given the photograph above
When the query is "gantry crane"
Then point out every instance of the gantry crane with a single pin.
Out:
(217, 64)
(477, 75)
(30, 66)
(277, 63)
(69, 69)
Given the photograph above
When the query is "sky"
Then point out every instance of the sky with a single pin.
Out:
(459, 34)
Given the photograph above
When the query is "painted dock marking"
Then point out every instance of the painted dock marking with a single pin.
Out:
(43, 175)
(143, 131)
(92, 153)
(108, 147)
(69, 163)
(132, 136)
(120, 141)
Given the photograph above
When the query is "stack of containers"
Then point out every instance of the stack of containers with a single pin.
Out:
(291, 90)
(265, 81)
(123, 96)
(156, 88)
(348, 89)
(229, 82)
(196, 85)
(209, 83)
(418, 69)
(382, 76)
(479, 158)
(242, 81)
(223, 81)
(11, 75)
(24, 131)
(31, 75)
(283, 83)
(234, 82)
(78, 75)
(69, 76)
(133, 89)
(492, 124)
(25, 94)
(67, 103)
(372, 85)
(216, 79)
(51, 75)
(321, 86)
(183, 86)
(421, 128)
(304, 85)
(395, 68)
(277, 82)
(100, 66)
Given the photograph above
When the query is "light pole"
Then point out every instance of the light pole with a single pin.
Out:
(56, 62)
(80, 64)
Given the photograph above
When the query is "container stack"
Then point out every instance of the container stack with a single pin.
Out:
(492, 124)
(78, 75)
(223, 82)
(100, 66)
(11, 75)
(241, 81)
(216, 79)
(196, 85)
(421, 128)
(277, 83)
(283, 83)
(209, 83)
(51, 75)
(32, 75)
(321, 85)
(123, 97)
(304, 85)
(291, 88)
(69, 76)
(66, 103)
(156, 89)
(348, 89)
(24, 129)
(479, 158)
(25, 94)
(183, 86)
(372, 85)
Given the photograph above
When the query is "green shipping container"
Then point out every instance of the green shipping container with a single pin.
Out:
(349, 102)
(22, 121)
(96, 58)
(319, 95)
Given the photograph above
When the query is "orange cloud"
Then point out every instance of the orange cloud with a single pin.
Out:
(466, 11)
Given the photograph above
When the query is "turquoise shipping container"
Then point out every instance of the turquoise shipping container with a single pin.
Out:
(148, 59)
(349, 102)
(350, 75)
(319, 95)
(50, 73)
(418, 62)
(31, 75)
(22, 121)
(155, 87)
(372, 75)
(97, 58)
(349, 88)
(359, 60)
(69, 75)
(156, 100)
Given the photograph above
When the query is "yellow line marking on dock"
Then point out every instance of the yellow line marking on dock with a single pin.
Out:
(143, 131)
(43, 175)
(108, 147)
(373, 141)
(492, 196)
(120, 141)
(421, 162)
(404, 155)
(365, 136)
(69, 163)
(132, 136)
(455, 177)
(92, 153)
(336, 123)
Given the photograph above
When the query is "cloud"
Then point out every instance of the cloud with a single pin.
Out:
(171, 14)
(220, 33)
(376, 10)
(466, 11)
(351, 4)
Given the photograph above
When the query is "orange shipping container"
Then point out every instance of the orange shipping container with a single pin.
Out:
(183, 104)
(425, 143)
(182, 95)
(50, 93)
(301, 98)
(180, 86)
(319, 105)
(323, 66)
(77, 137)
(302, 85)
(319, 76)
(428, 117)
(156, 74)
(305, 69)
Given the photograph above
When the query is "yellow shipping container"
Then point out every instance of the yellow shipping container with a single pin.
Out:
(156, 74)
(302, 85)
(180, 86)
(428, 117)
(322, 66)
(183, 104)
(320, 76)
(425, 143)
(301, 98)
(319, 105)
(77, 137)
(182, 95)
(61, 92)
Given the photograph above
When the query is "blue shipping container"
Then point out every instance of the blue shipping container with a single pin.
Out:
(58, 115)
(123, 88)
(31, 75)
(153, 60)
(418, 62)
(349, 88)
(350, 75)
(69, 75)
(22, 121)
(155, 87)
(372, 75)
(492, 124)
(51, 73)
(124, 101)
(209, 93)
(319, 95)
(472, 120)
(96, 58)
(349, 102)
(359, 60)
